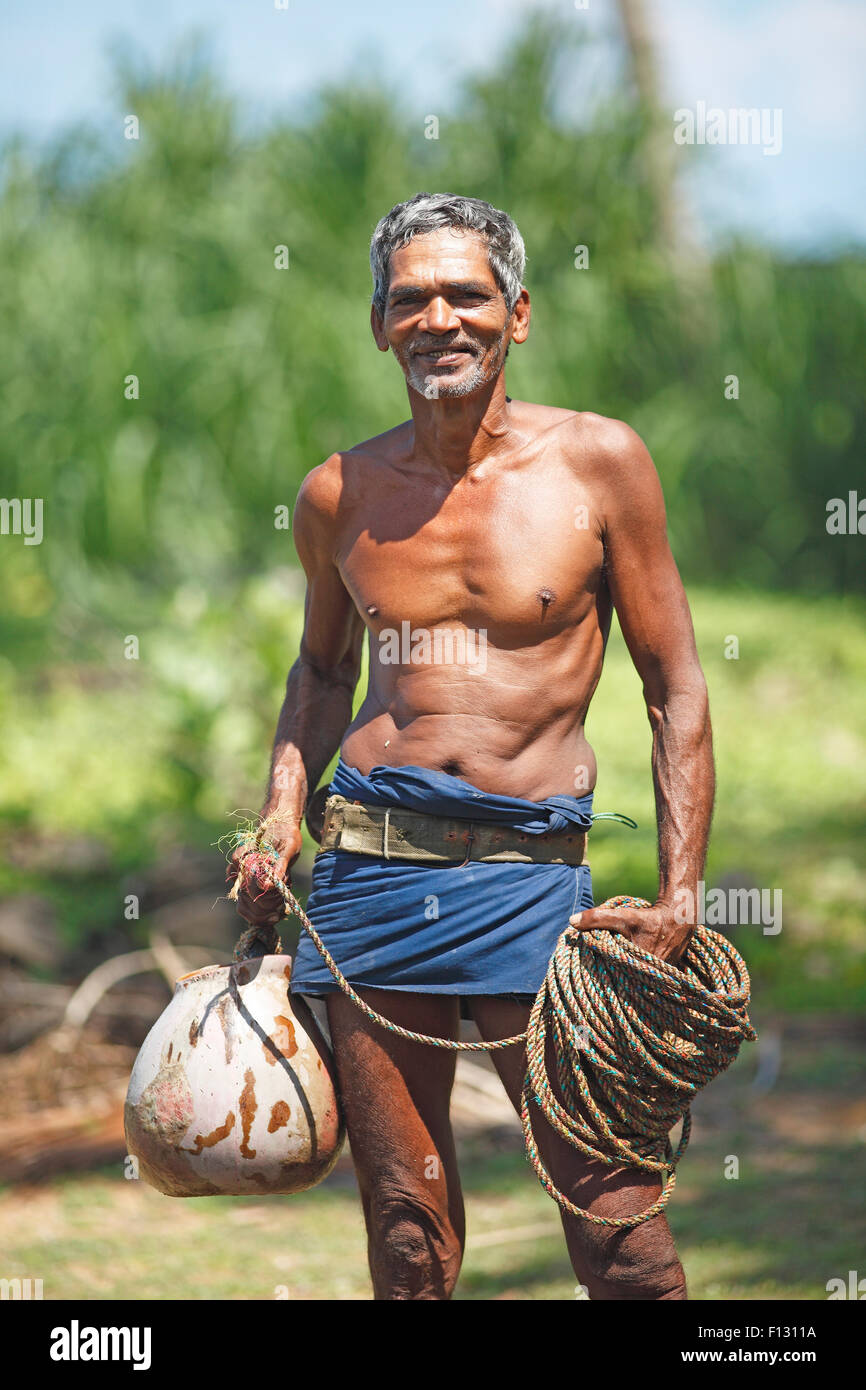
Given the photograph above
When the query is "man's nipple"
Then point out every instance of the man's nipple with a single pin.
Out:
(545, 597)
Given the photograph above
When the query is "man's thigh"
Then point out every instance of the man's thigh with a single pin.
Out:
(396, 1098)
(639, 1262)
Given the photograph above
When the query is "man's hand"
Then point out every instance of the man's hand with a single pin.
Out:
(653, 928)
(262, 909)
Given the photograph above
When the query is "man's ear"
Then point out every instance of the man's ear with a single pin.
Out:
(378, 328)
(520, 317)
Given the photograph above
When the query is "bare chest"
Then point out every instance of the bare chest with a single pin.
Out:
(510, 552)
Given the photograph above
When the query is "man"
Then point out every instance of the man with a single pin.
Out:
(516, 528)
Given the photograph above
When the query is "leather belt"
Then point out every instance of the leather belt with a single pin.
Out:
(394, 833)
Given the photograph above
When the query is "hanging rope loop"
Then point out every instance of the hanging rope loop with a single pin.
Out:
(617, 1044)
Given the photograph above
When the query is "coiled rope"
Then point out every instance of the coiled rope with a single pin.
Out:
(633, 1037)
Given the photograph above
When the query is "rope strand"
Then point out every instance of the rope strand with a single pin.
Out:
(632, 1036)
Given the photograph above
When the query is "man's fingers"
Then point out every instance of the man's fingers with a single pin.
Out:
(599, 918)
(257, 903)
(258, 912)
(264, 899)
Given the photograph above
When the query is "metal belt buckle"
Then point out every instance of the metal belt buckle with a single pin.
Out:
(470, 840)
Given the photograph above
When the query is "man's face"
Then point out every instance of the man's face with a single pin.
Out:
(445, 316)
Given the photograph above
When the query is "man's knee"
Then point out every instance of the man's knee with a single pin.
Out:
(414, 1250)
(636, 1264)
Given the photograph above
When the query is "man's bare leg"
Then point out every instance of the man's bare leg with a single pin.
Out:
(636, 1264)
(395, 1097)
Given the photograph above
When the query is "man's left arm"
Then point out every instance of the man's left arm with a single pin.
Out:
(654, 616)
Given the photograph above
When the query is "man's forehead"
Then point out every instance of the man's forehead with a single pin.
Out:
(449, 253)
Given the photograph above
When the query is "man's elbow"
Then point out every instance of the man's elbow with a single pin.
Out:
(684, 699)
(341, 674)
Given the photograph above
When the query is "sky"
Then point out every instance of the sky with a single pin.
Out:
(796, 57)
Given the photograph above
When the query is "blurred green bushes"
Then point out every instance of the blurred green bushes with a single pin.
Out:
(155, 258)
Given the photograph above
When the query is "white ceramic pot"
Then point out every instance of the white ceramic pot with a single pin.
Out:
(233, 1090)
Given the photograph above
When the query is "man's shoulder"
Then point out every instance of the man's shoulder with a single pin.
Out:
(603, 447)
(380, 447)
(582, 432)
(603, 435)
(325, 485)
(319, 493)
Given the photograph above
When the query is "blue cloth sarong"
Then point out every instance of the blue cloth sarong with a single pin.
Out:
(446, 929)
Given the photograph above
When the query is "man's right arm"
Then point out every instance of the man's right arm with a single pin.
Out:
(317, 708)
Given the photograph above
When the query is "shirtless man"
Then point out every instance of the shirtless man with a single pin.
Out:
(531, 524)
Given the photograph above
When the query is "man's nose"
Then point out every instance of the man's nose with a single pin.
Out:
(439, 317)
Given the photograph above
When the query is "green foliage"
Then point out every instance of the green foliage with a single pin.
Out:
(155, 257)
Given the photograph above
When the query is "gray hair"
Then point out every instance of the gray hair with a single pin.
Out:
(427, 212)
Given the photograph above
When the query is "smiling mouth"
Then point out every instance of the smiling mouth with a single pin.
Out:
(445, 355)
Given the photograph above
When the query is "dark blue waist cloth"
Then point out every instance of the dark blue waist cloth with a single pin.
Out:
(439, 794)
(447, 929)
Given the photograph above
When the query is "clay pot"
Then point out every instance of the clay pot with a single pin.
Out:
(233, 1090)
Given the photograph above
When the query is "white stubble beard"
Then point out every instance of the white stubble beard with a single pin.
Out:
(447, 387)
